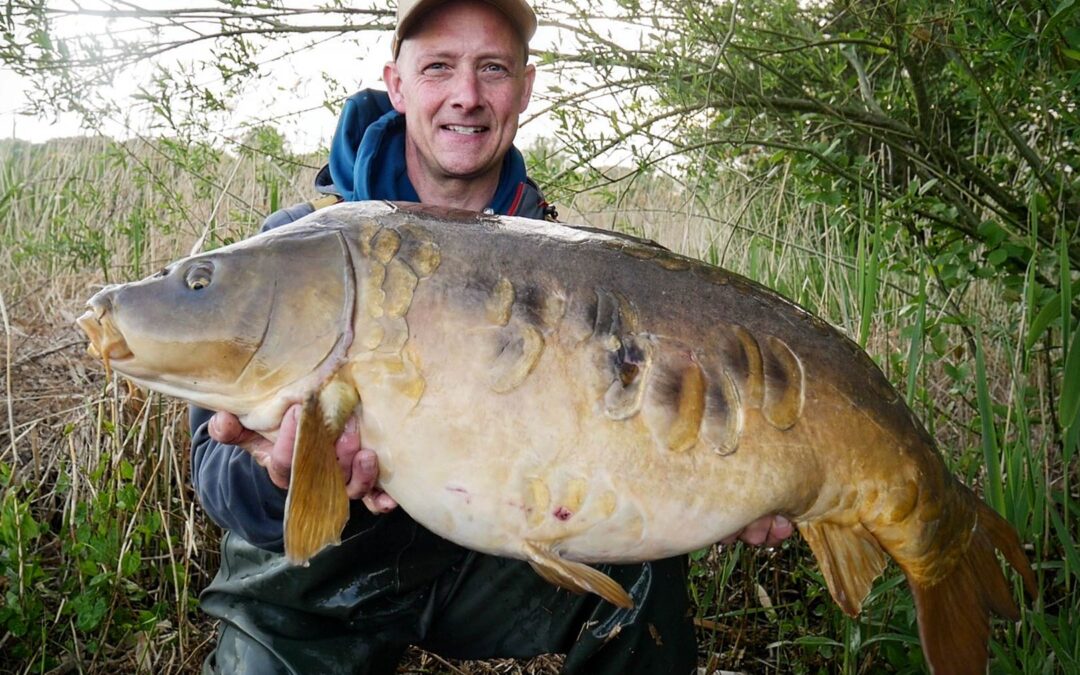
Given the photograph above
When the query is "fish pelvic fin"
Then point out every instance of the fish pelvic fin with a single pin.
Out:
(574, 576)
(317, 505)
(850, 558)
(954, 611)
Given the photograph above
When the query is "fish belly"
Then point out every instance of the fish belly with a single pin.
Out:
(544, 463)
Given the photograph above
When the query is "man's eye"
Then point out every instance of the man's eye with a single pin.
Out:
(494, 72)
(435, 67)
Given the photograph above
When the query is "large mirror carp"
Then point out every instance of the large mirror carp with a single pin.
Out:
(565, 396)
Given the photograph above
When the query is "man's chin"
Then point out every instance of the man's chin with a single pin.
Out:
(467, 168)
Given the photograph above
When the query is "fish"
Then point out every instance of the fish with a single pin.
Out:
(565, 396)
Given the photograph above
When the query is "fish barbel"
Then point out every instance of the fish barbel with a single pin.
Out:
(565, 396)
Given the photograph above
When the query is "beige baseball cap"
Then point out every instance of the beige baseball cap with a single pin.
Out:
(519, 12)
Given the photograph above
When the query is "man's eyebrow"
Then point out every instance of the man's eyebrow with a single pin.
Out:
(454, 55)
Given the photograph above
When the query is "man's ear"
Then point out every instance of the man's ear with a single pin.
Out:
(392, 78)
(526, 94)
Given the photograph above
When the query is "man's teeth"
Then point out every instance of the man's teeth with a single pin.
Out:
(464, 130)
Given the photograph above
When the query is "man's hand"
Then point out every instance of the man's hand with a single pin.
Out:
(767, 530)
(359, 466)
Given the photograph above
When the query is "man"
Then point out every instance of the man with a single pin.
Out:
(442, 134)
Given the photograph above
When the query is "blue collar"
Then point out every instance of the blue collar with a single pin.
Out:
(367, 155)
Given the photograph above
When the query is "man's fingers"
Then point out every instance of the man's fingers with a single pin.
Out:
(767, 530)
(280, 455)
(347, 447)
(378, 501)
(780, 529)
(226, 428)
(364, 474)
(362, 483)
(757, 531)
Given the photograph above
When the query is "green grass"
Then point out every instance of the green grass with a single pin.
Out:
(103, 550)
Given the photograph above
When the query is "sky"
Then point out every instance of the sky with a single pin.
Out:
(296, 84)
(292, 95)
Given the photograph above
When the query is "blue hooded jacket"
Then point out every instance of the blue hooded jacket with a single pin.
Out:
(367, 161)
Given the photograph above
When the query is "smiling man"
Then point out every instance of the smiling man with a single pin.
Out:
(461, 82)
(442, 134)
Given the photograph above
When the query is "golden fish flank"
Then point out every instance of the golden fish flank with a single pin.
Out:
(518, 350)
(565, 396)
(423, 257)
(723, 421)
(372, 293)
(783, 384)
(501, 302)
(624, 397)
(370, 336)
(398, 287)
(538, 498)
(395, 334)
(385, 244)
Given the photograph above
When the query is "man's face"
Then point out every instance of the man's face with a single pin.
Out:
(461, 80)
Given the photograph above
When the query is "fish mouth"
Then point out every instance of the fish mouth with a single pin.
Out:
(106, 342)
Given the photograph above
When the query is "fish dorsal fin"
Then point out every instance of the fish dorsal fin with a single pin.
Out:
(850, 558)
(317, 506)
(574, 576)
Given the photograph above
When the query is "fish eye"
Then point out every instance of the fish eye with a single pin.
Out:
(199, 276)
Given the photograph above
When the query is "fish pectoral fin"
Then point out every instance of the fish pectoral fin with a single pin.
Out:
(574, 576)
(850, 559)
(317, 506)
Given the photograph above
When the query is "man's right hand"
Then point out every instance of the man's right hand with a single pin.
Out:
(359, 466)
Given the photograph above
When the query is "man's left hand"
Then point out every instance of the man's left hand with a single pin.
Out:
(767, 530)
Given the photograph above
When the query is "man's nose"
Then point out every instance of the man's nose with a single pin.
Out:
(466, 90)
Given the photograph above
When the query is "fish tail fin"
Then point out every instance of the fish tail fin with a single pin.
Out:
(954, 611)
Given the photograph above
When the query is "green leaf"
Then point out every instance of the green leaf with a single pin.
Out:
(1069, 405)
(816, 641)
(914, 354)
(1061, 14)
(1047, 315)
(995, 494)
(129, 563)
(1069, 547)
(90, 608)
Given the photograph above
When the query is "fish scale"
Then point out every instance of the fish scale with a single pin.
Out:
(566, 396)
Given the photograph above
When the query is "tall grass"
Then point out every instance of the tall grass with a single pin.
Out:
(103, 549)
